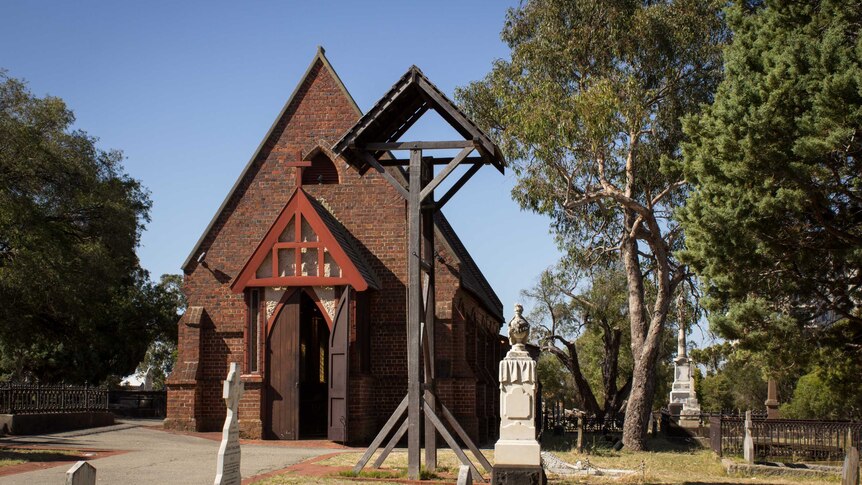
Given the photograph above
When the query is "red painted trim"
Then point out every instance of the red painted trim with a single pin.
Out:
(300, 208)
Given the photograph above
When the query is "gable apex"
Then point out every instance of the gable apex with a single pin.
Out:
(306, 246)
(319, 58)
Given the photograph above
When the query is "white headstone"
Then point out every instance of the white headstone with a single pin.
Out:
(465, 476)
(82, 473)
(227, 466)
(517, 444)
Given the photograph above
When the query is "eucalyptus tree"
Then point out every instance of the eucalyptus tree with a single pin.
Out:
(587, 108)
(574, 317)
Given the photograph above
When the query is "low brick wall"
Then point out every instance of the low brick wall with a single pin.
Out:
(25, 424)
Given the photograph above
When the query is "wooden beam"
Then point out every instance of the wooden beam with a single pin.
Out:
(392, 442)
(429, 310)
(429, 188)
(415, 145)
(400, 162)
(370, 160)
(414, 312)
(399, 411)
(452, 443)
(465, 438)
(457, 186)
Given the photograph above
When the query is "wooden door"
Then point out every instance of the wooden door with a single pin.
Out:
(282, 371)
(339, 343)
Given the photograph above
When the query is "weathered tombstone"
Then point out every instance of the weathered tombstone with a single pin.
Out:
(748, 443)
(772, 399)
(465, 476)
(850, 472)
(517, 455)
(227, 465)
(82, 473)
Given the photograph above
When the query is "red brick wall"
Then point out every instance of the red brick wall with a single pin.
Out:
(374, 214)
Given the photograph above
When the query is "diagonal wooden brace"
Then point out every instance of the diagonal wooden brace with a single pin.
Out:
(429, 412)
(399, 412)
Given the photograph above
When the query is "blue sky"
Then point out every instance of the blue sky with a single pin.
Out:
(188, 89)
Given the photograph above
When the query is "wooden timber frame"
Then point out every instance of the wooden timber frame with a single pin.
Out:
(367, 146)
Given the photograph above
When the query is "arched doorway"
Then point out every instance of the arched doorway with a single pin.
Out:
(297, 370)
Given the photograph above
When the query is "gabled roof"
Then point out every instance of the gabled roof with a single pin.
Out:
(319, 57)
(408, 99)
(304, 242)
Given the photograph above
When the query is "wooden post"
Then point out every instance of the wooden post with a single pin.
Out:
(581, 432)
(414, 309)
(429, 314)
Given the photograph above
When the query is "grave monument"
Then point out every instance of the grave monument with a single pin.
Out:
(517, 455)
(227, 466)
(682, 395)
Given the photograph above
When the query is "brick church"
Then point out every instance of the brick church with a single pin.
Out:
(300, 277)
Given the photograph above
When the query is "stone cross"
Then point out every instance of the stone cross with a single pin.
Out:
(227, 465)
(82, 473)
(748, 443)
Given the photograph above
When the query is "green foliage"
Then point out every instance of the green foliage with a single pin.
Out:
(161, 355)
(587, 110)
(557, 384)
(579, 317)
(773, 225)
(813, 399)
(75, 304)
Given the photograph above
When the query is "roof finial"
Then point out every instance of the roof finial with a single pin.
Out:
(321, 50)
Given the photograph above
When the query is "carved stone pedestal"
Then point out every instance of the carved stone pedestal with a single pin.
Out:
(518, 475)
(517, 455)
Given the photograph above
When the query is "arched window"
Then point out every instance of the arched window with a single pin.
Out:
(321, 171)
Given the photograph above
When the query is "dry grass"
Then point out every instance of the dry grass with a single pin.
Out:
(14, 456)
(667, 462)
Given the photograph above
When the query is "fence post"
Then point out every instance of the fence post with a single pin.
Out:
(580, 432)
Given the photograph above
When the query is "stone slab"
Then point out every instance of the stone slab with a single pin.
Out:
(82, 473)
(518, 475)
(517, 453)
(465, 476)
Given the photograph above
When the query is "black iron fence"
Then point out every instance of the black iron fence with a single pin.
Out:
(138, 404)
(796, 439)
(16, 398)
(567, 422)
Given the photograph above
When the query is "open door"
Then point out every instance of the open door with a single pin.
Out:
(339, 343)
(282, 371)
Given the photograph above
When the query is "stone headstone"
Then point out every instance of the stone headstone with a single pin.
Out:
(517, 454)
(227, 465)
(82, 473)
(772, 399)
(748, 443)
(465, 476)
(850, 472)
